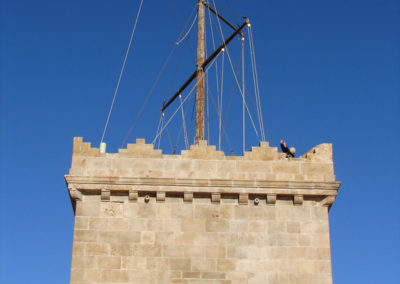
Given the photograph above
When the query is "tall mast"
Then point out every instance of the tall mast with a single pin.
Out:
(200, 73)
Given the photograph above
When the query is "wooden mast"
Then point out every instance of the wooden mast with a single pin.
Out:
(200, 73)
(201, 63)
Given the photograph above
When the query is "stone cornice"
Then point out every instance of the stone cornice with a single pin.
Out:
(94, 184)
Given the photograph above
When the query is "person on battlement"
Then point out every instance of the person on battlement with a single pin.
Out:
(289, 151)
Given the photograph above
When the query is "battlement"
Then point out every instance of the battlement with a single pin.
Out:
(202, 169)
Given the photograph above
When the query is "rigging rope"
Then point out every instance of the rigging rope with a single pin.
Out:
(159, 126)
(256, 84)
(254, 76)
(220, 100)
(183, 38)
(185, 138)
(231, 96)
(216, 70)
(234, 73)
(184, 100)
(148, 96)
(223, 126)
(179, 24)
(243, 96)
(213, 41)
(233, 13)
(122, 71)
(155, 83)
(181, 127)
(168, 136)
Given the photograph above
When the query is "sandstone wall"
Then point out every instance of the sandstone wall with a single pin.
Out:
(201, 217)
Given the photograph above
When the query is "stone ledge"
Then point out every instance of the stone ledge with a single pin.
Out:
(216, 190)
(143, 194)
(203, 183)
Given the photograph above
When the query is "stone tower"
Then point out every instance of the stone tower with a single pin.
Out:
(201, 216)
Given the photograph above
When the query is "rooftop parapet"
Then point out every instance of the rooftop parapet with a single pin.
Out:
(203, 169)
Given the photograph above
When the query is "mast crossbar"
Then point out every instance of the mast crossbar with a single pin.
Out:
(206, 62)
(220, 16)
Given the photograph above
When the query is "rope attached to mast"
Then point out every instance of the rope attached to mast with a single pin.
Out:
(122, 71)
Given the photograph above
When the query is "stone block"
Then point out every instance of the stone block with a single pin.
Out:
(154, 263)
(286, 167)
(216, 197)
(201, 264)
(115, 276)
(97, 249)
(146, 210)
(172, 225)
(243, 198)
(173, 251)
(213, 275)
(100, 224)
(258, 226)
(81, 223)
(78, 248)
(133, 263)
(160, 196)
(77, 274)
(271, 199)
(193, 225)
(142, 276)
(118, 224)
(183, 211)
(304, 240)
(145, 250)
(85, 236)
(121, 249)
(215, 251)
(147, 237)
(133, 195)
(206, 212)
(181, 264)
(298, 199)
(225, 265)
(119, 237)
(257, 252)
(109, 262)
(192, 275)
(239, 226)
(293, 227)
(92, 275)
(324, 267)
(241, 212)
(194, 251)
(188, 197)
(80, 261)
(217, 226)
(105, 195)
(111, 209)
(256, 213)
(227, 211)
(91, 209)
(239, 252)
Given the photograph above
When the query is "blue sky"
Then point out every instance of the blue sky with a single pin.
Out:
(329, 71)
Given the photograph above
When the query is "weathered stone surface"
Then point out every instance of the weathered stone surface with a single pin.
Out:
(201, 223)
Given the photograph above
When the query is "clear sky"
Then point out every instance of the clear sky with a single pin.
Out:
(329, 71)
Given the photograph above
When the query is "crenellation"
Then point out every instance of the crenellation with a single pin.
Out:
(201, 217)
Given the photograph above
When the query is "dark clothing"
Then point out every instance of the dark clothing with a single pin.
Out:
(286, 150)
